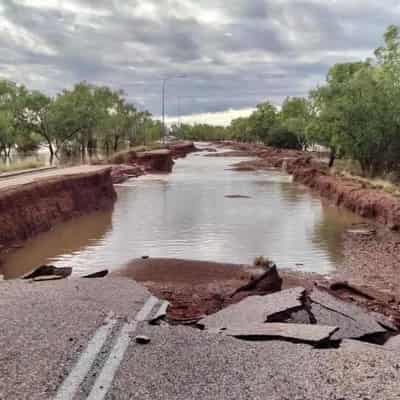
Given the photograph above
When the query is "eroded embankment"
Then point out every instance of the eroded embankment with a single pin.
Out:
(349, 193)
(31, 208)
(134, 163)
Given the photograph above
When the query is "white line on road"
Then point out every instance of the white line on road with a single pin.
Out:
(104, 381)
(71, 384)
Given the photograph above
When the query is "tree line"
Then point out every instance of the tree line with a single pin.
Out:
(76, 122)
(355, 114)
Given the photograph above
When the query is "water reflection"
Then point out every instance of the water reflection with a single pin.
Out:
(186, 215)
(71, 237)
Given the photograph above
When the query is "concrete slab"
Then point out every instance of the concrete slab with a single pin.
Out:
(353, 322)
(304, 333)
(255, 309)
(45, 326)
(181, 363)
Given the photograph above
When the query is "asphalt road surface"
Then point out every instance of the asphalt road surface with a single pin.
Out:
(34, 176)
(74, 339)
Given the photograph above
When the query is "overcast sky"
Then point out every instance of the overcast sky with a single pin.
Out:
(235, 53)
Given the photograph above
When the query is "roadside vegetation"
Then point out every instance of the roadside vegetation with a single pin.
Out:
(355, 115)
(21, 165)
(77, 122)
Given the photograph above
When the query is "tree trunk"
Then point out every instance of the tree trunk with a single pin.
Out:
(332, 158)
(116, 142)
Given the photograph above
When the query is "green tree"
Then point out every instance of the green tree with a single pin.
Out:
(295, 116)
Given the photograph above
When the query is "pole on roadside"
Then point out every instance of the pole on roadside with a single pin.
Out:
(164, 83)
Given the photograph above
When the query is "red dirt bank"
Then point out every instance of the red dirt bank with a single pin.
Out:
(353, 195)
(32, 208)
(133, 163)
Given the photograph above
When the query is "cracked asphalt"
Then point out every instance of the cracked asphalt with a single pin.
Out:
(46, 326)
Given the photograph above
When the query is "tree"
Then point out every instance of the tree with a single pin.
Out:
(262, 120)
(295, 116)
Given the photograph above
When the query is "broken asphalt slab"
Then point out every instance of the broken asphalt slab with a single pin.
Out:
(295, 333)
(255, 309)
(181, 363)
(353, 321)
(393, 343)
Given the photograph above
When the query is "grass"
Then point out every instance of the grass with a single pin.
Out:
(21, 165)
(350, 169)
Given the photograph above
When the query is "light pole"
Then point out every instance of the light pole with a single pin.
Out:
(164, 83)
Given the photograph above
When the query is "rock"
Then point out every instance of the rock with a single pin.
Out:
(48, 272)
(268, 281)
(341, 286)
(255, 310)
(237, 196)
(141, 339)
(353, 322)
(304, 333)
(99, 274)
(160, 314)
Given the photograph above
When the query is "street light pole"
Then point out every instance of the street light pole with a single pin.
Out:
(163, 108)
(164, 83)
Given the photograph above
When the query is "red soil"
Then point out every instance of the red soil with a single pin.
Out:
(32, 208)
(351, 194)
(198, 288)
(155, 161)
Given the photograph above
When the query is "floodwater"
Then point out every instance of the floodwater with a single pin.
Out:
(186, 214)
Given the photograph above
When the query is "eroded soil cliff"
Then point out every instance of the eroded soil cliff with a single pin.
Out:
(35, 207)
(356, 196)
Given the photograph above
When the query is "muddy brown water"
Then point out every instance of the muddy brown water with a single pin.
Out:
(203, 211)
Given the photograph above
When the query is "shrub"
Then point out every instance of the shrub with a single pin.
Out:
(282, 138)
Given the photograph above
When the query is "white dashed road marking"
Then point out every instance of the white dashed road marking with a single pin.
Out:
(71, 384)
(104, 381)
(102, 384)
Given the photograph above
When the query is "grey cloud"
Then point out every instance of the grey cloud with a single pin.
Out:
(259, 49)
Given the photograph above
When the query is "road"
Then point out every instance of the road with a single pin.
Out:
(8, 182)
(74, 339)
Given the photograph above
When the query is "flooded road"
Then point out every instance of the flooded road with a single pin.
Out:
(193, 213)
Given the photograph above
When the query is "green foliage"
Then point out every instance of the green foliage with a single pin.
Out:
(78, 121)
(295, 116)
(356, 113)
(201, 132)
(283, 138)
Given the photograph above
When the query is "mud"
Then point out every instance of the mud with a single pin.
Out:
(29, 209)
(197, 288)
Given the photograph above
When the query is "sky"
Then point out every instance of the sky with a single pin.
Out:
(221, 57)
